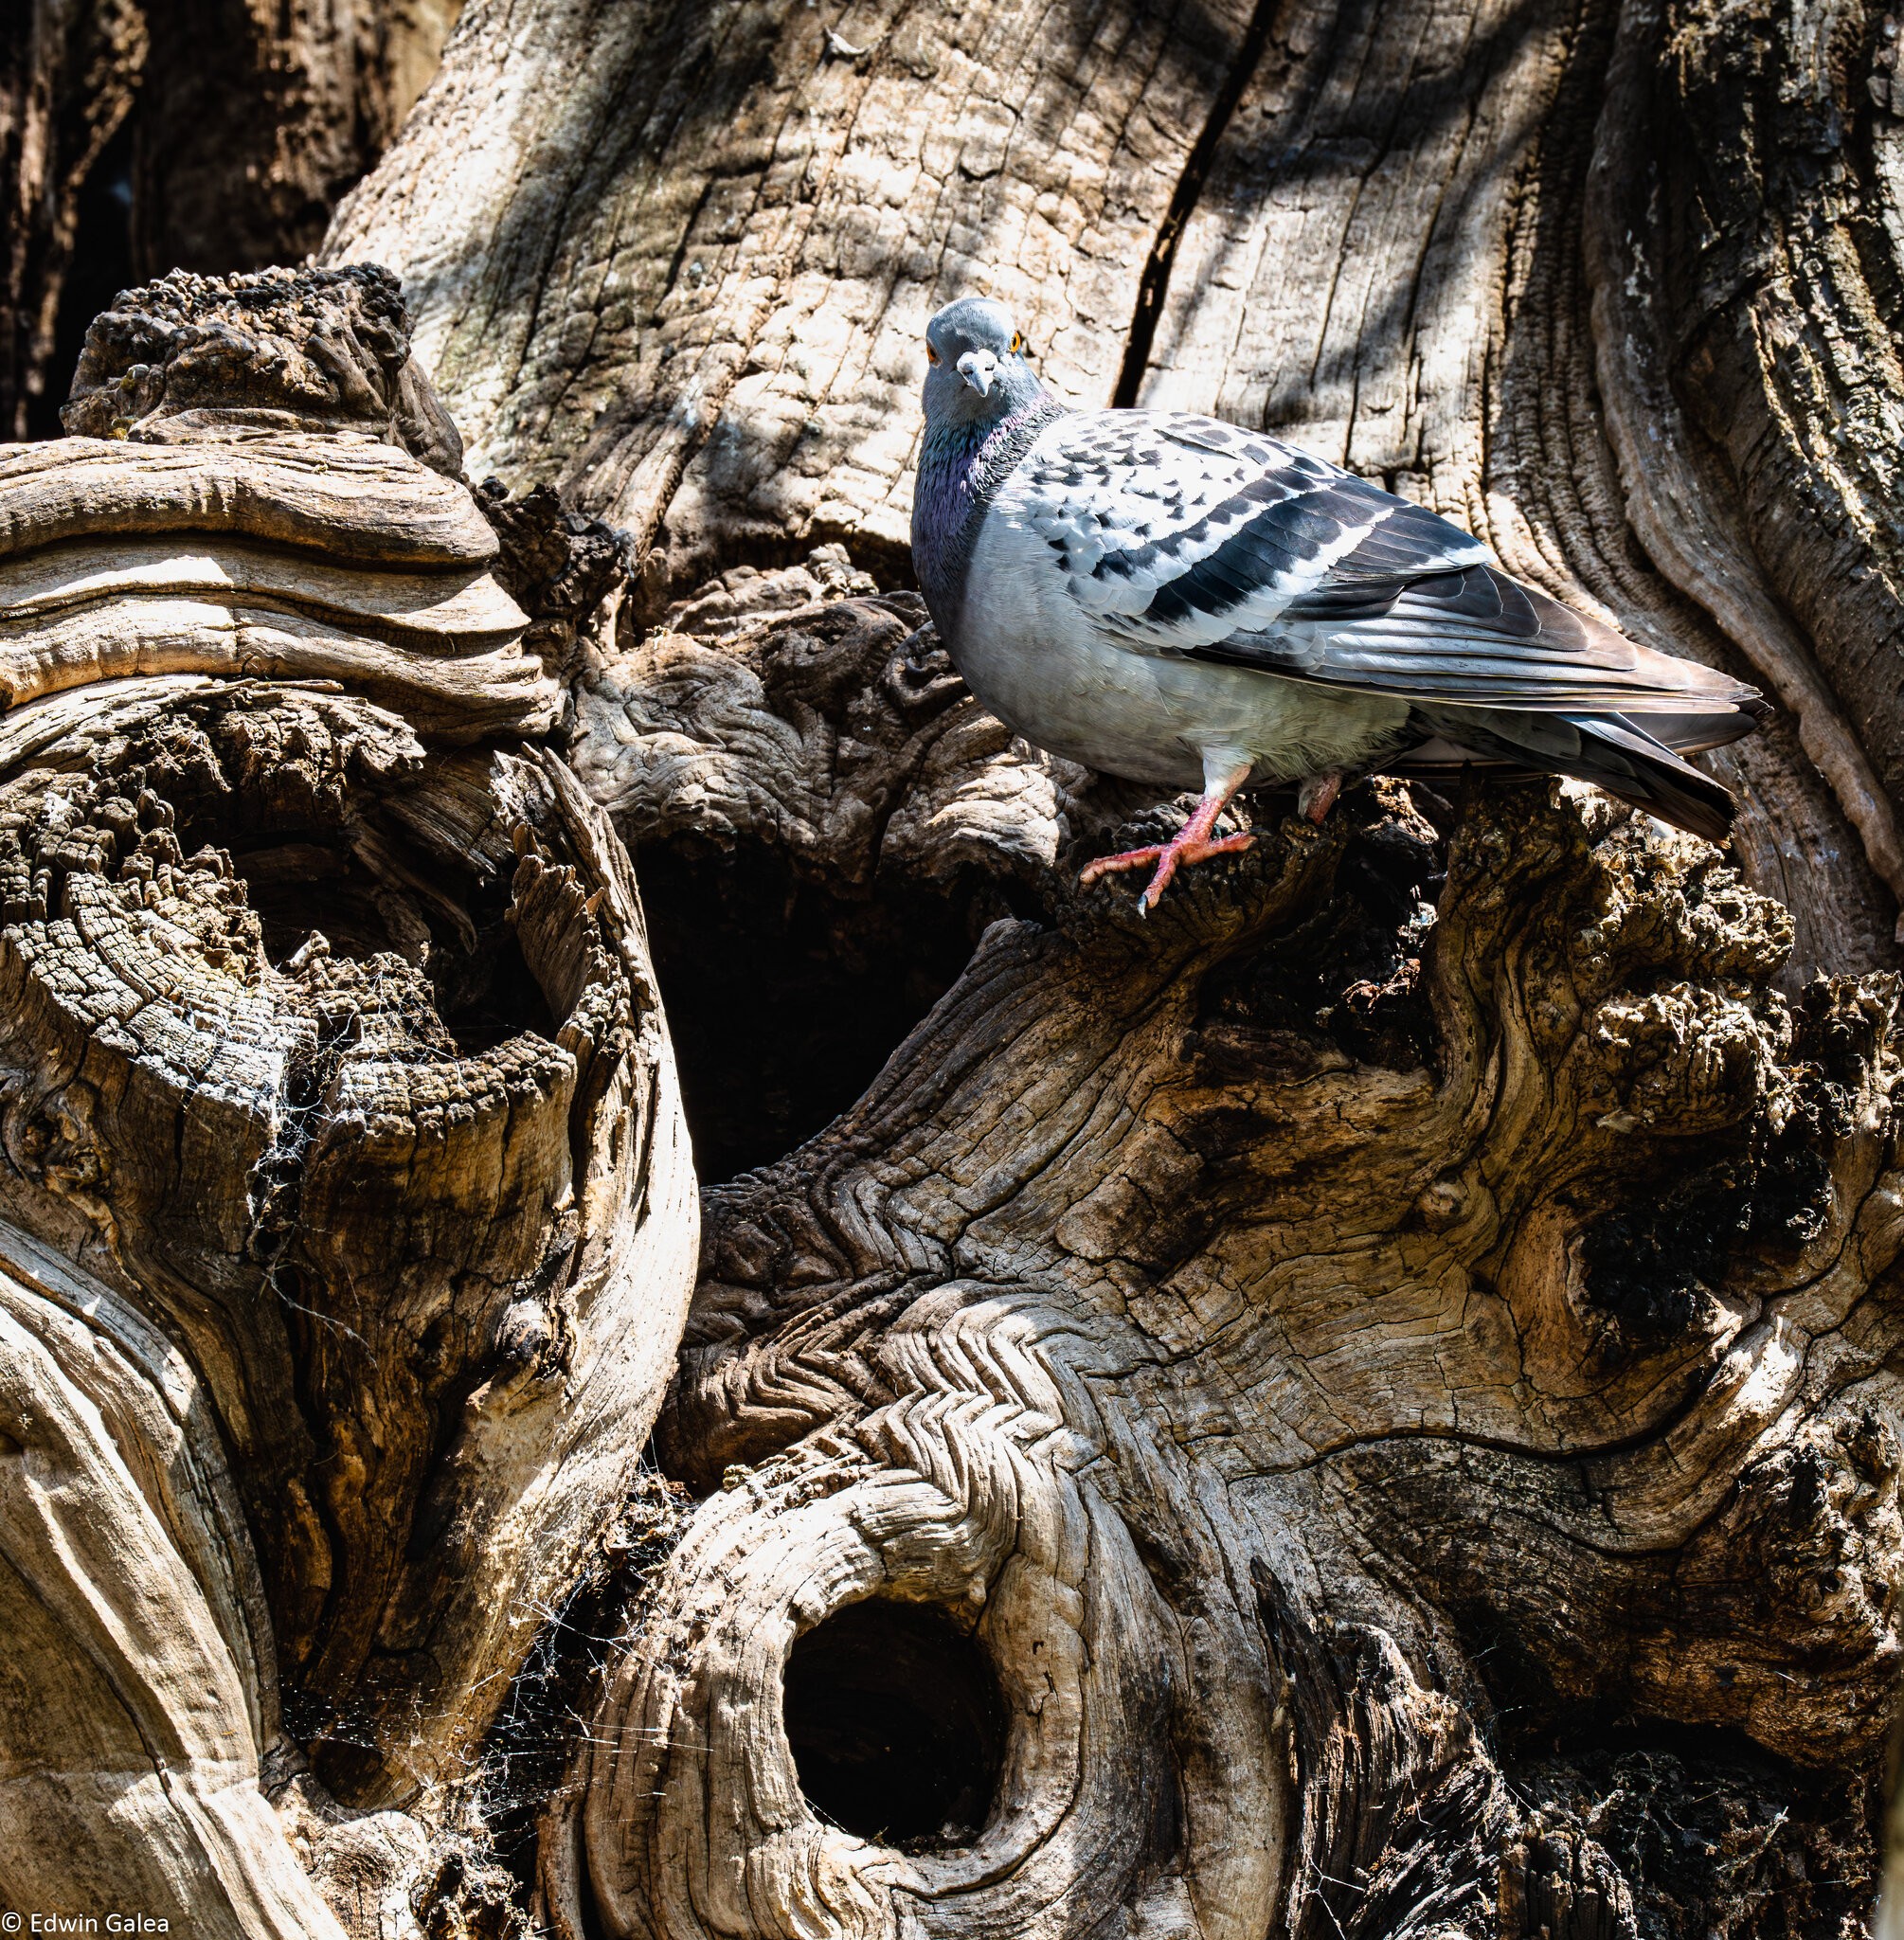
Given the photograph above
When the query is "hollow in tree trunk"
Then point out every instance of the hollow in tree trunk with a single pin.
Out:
(1364, 1404)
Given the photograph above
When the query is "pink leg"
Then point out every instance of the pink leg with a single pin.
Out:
(1191, 843)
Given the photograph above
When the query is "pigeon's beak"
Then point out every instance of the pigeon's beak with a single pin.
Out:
(979, 367)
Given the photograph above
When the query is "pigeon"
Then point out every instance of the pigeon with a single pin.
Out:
(1186, 603)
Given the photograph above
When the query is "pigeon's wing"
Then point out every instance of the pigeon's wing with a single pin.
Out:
(1186, 536)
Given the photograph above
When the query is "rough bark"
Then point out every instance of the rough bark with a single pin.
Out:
(141, 135)
(348, 1209)
(69, 75)
(1354, 1366)
(689, 292)
(1367, 1403)
(248, 135)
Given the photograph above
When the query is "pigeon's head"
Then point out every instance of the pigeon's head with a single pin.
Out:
(976, 369)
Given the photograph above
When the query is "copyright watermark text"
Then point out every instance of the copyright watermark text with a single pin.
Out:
(11, 1922)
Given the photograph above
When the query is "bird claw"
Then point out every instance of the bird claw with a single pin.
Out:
(1317, 796)
(1169, 856)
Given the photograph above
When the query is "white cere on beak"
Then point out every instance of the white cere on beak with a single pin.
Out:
(979, 367)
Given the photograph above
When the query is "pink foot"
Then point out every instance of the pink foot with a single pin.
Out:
(1188, 845)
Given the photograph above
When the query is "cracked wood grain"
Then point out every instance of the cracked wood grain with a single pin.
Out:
(1358, 227)
(347, 1210)
(1092, 1320)
(1370, 1335)
(1390, 1365)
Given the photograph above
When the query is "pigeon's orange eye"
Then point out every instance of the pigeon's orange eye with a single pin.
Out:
(1017, 343)
(931, 355)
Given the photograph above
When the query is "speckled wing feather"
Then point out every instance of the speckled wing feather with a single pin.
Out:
(1183, 535)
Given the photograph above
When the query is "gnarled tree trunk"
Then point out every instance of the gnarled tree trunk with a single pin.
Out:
(141, 135)
(348, 1209)
(1365, 1404)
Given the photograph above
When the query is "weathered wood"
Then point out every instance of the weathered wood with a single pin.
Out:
(1276, 1290)
(238, 127)
(1363, 1405)
(253, 121)
(338, 1107)
(751, 233)
(140, 1697)
(1265, 1314)
(1679, 496)
(691, 295)
(69, 71)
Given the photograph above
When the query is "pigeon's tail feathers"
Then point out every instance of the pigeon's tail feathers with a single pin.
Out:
(1696, 729)
(1612, 751)
(1626, 762)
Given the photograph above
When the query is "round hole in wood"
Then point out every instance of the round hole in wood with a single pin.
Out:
(896, 1725)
